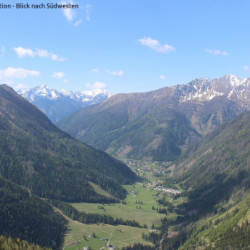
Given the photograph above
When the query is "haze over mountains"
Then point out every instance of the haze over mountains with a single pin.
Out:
(57, 104)
(158, 125)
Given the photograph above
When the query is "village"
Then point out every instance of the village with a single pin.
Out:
(151, 173)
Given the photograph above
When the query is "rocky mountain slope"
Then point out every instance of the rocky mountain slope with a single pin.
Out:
(57, 104)
(158, 125)
(36, 154)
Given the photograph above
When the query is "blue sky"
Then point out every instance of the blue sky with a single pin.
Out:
(124, 45)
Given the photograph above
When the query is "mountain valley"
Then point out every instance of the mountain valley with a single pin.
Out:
(202, 199)
(183, 181)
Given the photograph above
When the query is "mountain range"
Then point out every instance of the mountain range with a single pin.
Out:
(57, 104)
(160, 124)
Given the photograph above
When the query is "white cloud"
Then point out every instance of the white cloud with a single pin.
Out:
(162, 77)
(69, 13)
(72, 15)
(88, 8)
(78, 22)
(156, 46)
(58, 75)
(217, 52)
(42, 53)
(8, 82)
(57, 58)
(246, 68)
(95, 70)
(116, 73)
(19, 73)
(96, 85)
(20, 86)
(22, 52)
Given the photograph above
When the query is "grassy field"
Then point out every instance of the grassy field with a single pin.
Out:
(140, 201)
(137, 206)
(81, 235)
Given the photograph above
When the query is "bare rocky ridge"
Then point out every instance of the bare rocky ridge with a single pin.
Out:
(230, 86)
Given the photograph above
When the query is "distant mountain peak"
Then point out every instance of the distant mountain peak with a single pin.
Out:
(235, 80)
(45, 91)
(57, 104)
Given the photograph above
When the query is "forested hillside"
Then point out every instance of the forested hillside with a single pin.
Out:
(219, 164)
(36, 154)
(25, 216)
(215, 179)
(136, 126)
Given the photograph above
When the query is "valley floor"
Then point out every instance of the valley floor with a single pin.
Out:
(137, 206)
(140, 205)
(148, 202)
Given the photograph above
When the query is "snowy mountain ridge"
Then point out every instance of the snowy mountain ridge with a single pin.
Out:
(53, 94)
(57, 104)
(232, 87)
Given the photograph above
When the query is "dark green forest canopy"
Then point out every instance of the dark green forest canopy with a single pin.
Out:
(221, 158)
(27, 217)
(36, 154)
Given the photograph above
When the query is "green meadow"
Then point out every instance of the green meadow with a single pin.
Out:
(137, 206)
(97, 236)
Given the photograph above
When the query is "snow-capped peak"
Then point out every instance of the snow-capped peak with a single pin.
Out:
(52, 94)
(47, 99)
(44, 92)
(205, 89)
(235, 80)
